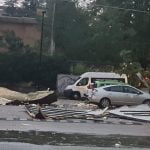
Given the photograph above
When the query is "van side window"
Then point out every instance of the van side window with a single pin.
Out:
(83, 82)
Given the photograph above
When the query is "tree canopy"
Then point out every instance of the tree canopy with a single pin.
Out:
(103, 29)
(103, 32)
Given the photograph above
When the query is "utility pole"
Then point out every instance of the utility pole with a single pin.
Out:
(41, 43)
(52, 42)
(41, 50)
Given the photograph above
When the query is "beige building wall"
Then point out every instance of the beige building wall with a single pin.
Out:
(25, 28)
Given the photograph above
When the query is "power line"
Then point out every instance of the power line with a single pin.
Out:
(128, 9)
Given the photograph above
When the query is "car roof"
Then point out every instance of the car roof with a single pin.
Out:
(105, 86)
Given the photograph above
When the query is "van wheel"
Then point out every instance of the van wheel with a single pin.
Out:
(104, 102)
(76, 96)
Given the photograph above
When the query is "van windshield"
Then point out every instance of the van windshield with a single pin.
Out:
(75, 80)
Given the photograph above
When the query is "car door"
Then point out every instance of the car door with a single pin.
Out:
(115, 94)
(132, 95)
(82, 86)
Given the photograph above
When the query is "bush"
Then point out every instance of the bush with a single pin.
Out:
(25, 67)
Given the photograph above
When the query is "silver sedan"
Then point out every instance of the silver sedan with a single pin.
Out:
(118, 95)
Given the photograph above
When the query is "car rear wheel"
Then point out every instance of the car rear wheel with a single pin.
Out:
(76, 96)
(105, 102)
(147, 102)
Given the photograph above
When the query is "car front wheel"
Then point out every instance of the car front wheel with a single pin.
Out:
(104, 102)
(147, 102)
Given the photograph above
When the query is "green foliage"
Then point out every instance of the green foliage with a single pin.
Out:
(129, 28)
(29, 8)
(70, 29)
(129, 67)
(22, 64)
(146, 75)
(78, 69)
(11, 7)
(24, 67)
(102, 33)
(98, 33)
(11, 42)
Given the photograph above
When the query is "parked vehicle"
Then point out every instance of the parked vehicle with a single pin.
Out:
(80, 88)
(106, 96)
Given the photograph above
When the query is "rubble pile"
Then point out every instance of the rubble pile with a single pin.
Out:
(72, 104)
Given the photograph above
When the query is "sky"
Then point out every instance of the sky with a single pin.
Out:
(1, 2)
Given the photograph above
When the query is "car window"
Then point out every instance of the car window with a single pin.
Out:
(83, 82)
(131, 90)
(107, 89)
(116, 89)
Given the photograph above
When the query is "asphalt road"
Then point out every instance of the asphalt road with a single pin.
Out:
(23, 146)
(16, 118)
(19, 131)
(79, 127)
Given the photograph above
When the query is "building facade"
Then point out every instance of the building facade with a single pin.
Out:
(23, 27)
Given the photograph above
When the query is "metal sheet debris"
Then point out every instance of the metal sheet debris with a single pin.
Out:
(140, 112)
(137, 113)
(62, 113)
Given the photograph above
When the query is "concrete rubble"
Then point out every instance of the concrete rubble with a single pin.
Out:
(74, 104)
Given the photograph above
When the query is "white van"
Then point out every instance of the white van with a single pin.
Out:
(80, 88)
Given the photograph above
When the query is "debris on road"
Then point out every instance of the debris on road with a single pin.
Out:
(4, 101)
(62, 113)
(12, 97)
(140, 112)
(74, 104)
(64, 109)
